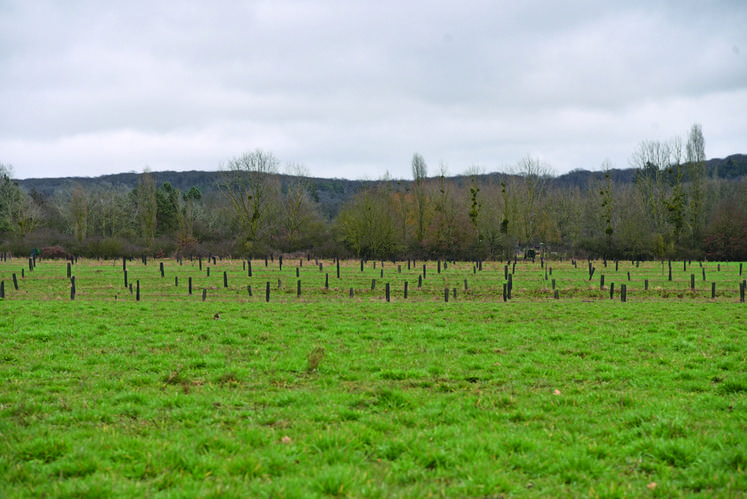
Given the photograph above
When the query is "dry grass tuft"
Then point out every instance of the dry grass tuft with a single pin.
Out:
(314, 358)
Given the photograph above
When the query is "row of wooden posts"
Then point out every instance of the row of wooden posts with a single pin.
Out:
(247, 266)
(507, 288)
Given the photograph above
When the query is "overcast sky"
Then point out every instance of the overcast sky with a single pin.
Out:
(352, 89)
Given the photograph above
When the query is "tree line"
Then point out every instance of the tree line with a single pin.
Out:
(673, 208)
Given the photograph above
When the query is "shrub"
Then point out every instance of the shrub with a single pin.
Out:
(53, 252)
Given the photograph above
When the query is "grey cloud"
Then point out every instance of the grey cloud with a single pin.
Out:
(358, 86)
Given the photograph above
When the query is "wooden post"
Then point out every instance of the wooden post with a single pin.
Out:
(176, 281)
(249, 267)
(601, 282)
(713, 290)
(72, 288)
(553, 284)
(267, 292)
(556, 295)
(645, 284)
(406, 285)
(137, 295)
(612, 290)
(70, 271)
(190, 286)
(446, 295)
(225, 279)
(423, 271)
(373, 284)
(298, 288)
(510, 285)
(623, 293)
(161, 268)
(2, 289)
(420, 281)
(465, 285)
(326, 281)
(298, 272)
(387, 292)
(15, 282)
(351, 292)
(692, 282)
(338, 267)
(505, 288)
(208, 271)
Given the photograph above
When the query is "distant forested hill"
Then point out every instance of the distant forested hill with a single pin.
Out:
(331, 193)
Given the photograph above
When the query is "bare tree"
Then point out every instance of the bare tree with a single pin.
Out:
(677, 201)
(607, 204)
(251, 185)
(535, 177)
(420, 195)
(366, 223)
(651, 160)
(449, 227)
(695, 157)
(188, 212)
(147, 206)
(298, 208)
(79, 209)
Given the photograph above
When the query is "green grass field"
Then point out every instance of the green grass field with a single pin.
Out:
(324, 395)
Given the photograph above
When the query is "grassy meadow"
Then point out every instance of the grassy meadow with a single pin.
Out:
(222, 393)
